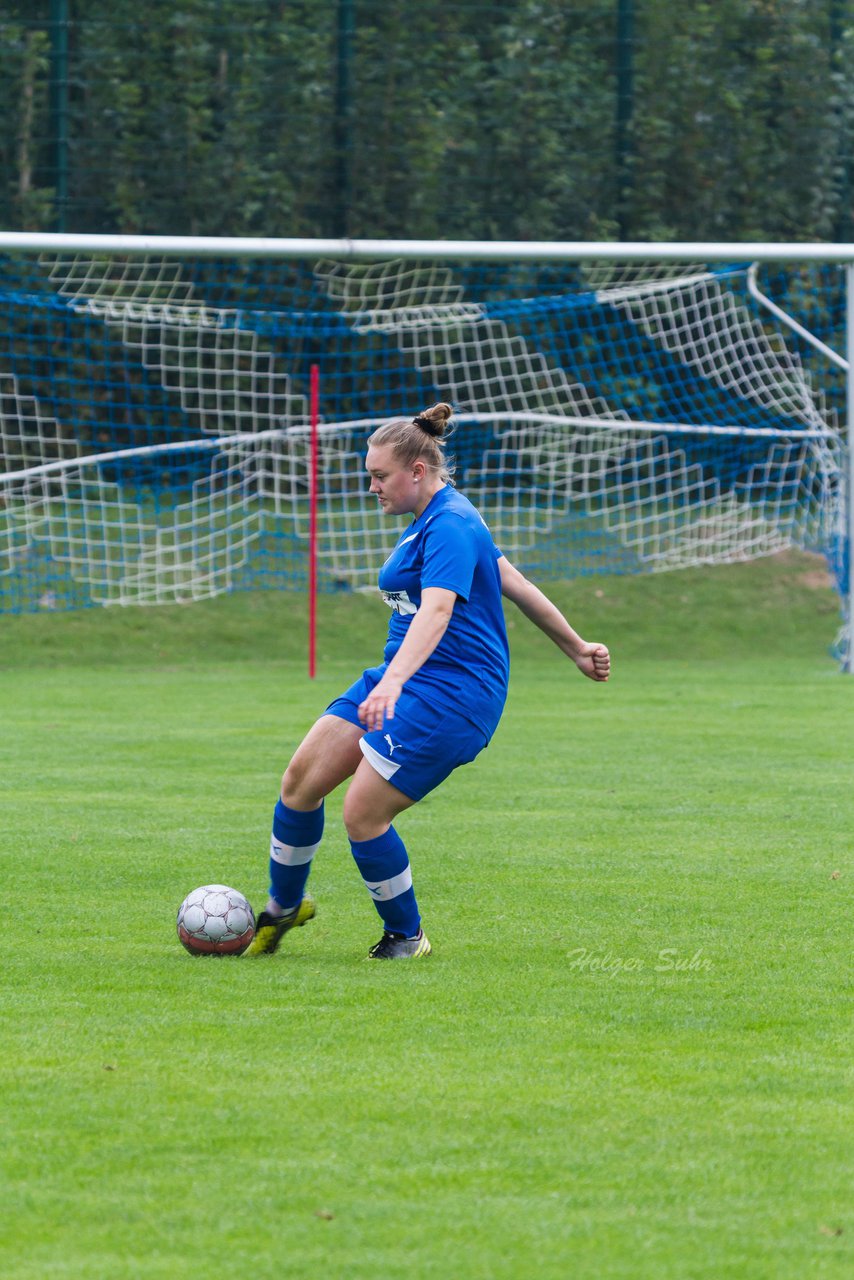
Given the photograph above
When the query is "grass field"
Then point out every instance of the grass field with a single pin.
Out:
(629, 1055)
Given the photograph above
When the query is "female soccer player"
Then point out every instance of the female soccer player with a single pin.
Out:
(432, 704)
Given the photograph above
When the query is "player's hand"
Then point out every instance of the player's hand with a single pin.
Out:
(594, 661)
(379, 704)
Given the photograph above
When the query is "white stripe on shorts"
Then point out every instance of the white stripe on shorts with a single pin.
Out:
(291, 855)
(382, 890)
(384, 767)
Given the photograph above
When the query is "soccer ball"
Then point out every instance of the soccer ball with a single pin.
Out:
(215, 921)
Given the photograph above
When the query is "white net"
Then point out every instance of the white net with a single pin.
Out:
(640, 419)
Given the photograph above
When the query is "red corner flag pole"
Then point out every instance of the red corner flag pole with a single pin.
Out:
(314, 404)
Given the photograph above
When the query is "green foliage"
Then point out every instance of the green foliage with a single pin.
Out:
(465, 120)
(25, 197)
(739, 105)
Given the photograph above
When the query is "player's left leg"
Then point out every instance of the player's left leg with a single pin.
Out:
(371, 803)
(370, 806)
(404, 761)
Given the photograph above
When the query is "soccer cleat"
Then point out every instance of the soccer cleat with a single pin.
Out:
(394, 946)
(269, 930)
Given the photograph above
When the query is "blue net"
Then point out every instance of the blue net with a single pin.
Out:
(154, 417)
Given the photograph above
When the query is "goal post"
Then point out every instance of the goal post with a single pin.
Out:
(847, 647)
(622, 407)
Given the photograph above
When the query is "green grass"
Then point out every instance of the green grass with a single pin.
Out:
(548, 1095)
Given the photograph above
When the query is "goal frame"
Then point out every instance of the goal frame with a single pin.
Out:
(365, 250)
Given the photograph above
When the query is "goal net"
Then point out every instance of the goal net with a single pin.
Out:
(154, 442)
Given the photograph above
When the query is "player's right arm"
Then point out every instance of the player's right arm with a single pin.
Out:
(592, 660)
(422, 636)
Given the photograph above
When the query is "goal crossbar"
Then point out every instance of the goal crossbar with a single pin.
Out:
(436, 250)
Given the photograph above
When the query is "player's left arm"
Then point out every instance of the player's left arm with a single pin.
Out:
(423, 634)
(591, 659)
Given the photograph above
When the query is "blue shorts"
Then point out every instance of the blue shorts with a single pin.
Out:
(420, 747)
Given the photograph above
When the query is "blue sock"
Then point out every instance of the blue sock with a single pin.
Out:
(293, 844)
(384, 865)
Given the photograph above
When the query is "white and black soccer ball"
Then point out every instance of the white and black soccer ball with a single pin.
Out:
(215, 921)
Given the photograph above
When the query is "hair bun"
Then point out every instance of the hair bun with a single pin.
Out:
(434, 420)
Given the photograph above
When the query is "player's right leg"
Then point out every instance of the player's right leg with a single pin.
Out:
(327, 756)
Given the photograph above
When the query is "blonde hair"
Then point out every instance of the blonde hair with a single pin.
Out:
(418, 437)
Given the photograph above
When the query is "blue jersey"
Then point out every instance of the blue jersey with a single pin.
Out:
(450, 546)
